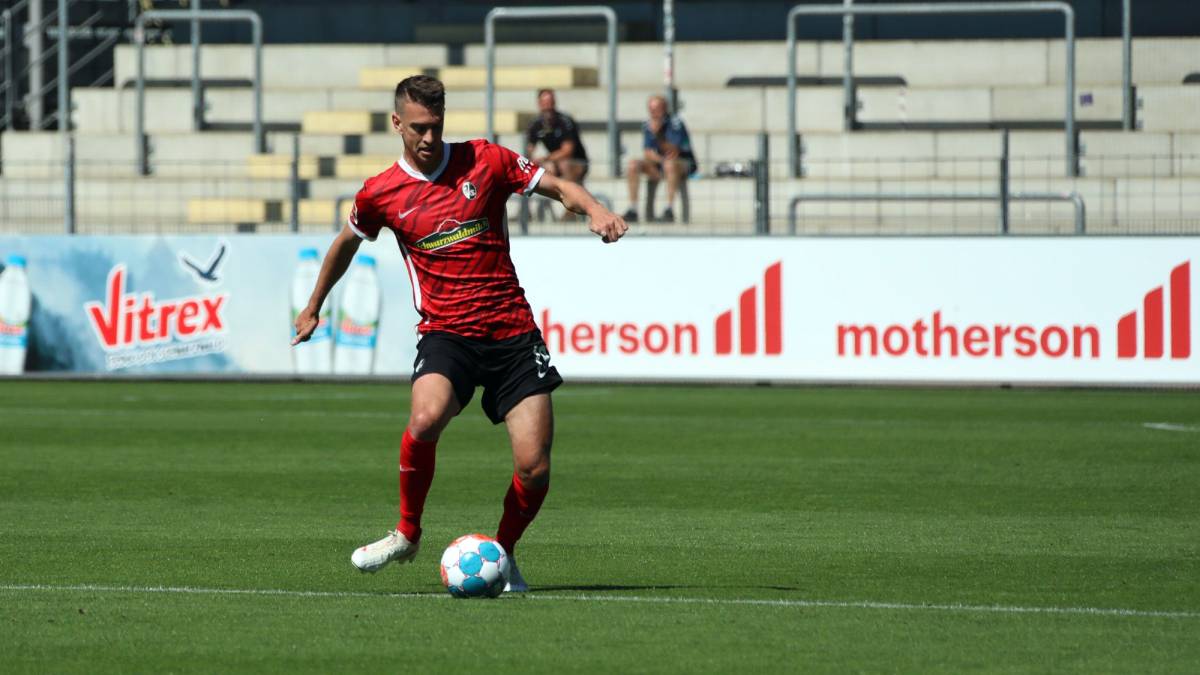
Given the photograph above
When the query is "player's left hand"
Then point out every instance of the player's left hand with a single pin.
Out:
(607, 224)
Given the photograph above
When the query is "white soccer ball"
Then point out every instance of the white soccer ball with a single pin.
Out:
(475, 566)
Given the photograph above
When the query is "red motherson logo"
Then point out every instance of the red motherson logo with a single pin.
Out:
(748, 317)
(127, 320)
(937, 336)
(680, 338)
(1153, 321)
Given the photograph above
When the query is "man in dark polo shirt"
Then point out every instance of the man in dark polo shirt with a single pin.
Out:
(565, 156)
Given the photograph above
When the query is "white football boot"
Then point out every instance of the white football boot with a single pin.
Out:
(516, 582)
(394, 547)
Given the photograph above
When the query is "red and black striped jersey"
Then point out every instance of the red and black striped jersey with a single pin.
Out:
(451, 229)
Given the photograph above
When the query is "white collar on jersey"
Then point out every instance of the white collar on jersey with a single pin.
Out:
(433, 176)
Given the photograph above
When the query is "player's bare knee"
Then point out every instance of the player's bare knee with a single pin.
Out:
(635, 166)
(425, 424)
(534, 475)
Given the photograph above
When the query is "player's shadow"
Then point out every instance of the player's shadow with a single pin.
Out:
(600, 588)
(606, 587)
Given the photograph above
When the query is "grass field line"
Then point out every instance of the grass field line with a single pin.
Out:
(596, 597)
(1167, 426)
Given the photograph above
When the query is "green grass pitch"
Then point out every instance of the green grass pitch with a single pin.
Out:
(189, 527)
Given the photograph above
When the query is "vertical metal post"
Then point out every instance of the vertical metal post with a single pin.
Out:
(64, 119)
(669, 55)
(849, 95)
(1080, 212)
(197, 93)
(64, 57)
(762, 186)
(10, 84)
(294, 187)
(1072, 138)
(489, 61)
(1004, 193)
(524, 214)
(1128, 105)
(614, 138)
(34, 40)
(256, 32)
(793, 150)
(69, 188)
(139, 132)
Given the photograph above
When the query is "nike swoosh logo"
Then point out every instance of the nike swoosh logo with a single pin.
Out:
(405, 213)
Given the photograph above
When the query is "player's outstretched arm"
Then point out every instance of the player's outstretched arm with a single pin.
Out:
(337, 259)
(577, 199)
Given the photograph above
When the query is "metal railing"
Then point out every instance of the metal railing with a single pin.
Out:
(851, 106)
(489, 32)
(195, 16)
(930, 197)
(35, 29)
(1138, 195)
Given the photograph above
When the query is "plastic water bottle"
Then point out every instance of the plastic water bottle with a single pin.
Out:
(358, 320)
(15, 305)
(316, 355)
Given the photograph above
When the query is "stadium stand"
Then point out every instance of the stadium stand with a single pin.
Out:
(932, 112)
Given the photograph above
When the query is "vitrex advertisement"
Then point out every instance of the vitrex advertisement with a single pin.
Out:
(1046, 310)
(203, 305)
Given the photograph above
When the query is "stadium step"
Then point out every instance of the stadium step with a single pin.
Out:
(475, 77)
(256, 211)
(457, 122)
(318, 166)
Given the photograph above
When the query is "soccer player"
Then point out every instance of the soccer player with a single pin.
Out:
(445, 204)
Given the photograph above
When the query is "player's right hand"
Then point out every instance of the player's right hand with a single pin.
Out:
(608, 225)
(306, 323)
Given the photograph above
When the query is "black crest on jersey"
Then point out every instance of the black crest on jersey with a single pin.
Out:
(469, 190)
(458, 232)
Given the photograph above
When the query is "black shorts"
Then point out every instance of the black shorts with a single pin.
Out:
(509, 370)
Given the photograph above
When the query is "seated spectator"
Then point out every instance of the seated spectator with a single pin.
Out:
(565, 156)
(666, 149)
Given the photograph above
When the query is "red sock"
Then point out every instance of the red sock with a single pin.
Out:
(416, 475)
(521, 506)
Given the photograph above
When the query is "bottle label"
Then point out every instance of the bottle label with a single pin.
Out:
(13, 335)
(353, 334)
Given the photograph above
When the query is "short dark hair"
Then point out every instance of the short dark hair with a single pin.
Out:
(422, 90)
(543, 92)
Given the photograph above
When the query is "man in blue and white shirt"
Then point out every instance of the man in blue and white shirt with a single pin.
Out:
(666, 150)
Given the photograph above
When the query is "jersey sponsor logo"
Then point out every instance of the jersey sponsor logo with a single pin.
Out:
(524, 165)
(404, 214)
(459, 231)
(469, 190)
